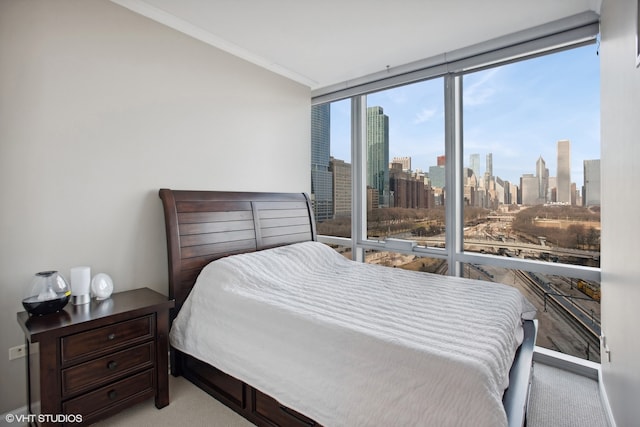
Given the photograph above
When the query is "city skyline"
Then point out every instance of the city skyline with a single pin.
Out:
(562, 103)
(395, 184)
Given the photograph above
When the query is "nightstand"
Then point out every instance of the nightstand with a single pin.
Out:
(99, 358)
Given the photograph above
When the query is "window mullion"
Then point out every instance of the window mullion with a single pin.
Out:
(359, 179)
(453, 172)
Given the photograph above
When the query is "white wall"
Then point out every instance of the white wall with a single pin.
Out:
(99, 108)
(620, 104)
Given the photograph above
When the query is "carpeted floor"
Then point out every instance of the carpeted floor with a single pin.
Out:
(189, 407)
(563, 399)
(558, 399)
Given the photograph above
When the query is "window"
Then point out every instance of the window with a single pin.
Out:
(405, 163)
(532, 172)
(331, 167)
(507, 155)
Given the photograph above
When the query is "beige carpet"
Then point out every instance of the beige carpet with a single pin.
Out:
(189, 406)
(563, 399)
(558, 399)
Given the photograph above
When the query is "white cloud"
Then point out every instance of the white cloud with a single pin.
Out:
(480, 91)
(425, 115)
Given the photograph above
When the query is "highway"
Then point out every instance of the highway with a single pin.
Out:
(495, 244)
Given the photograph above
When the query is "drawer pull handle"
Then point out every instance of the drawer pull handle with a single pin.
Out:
(111, 336)
(112, 394)
(112, 365)
(296, 417)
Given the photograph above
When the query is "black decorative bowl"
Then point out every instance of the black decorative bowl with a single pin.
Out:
(47, 293)
(39, 308)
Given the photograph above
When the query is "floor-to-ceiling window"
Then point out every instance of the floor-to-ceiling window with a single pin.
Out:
(489, 172)
(531, 144)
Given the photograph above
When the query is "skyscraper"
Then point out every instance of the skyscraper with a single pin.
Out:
(529, 186)
(564, 171)
(321, 177)
(378, 153)
(591, 192)
(488, 173)
(489, 169)
(474, 164)
(341, 188)
(437, 176)
(542, 174)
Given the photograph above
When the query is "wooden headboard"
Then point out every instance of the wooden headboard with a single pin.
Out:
(206, 225)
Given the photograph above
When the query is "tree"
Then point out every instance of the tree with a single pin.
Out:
(593, 238)
(577, 230)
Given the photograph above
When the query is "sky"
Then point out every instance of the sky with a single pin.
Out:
(517, 112)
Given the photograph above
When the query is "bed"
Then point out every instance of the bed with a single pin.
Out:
(279, 353)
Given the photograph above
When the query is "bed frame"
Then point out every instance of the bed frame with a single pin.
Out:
(202, 226)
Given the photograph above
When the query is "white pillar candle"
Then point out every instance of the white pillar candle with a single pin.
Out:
(80, 284)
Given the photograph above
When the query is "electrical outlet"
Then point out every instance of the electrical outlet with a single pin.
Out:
(17, 352)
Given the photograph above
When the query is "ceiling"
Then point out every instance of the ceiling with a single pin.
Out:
(321, 43)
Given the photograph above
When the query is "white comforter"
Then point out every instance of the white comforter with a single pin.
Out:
(351, 344)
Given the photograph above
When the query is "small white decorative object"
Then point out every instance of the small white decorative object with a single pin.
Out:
(101, 286)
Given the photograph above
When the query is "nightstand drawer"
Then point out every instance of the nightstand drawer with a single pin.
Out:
(91, 403)
(105, 369)
(109, 337)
